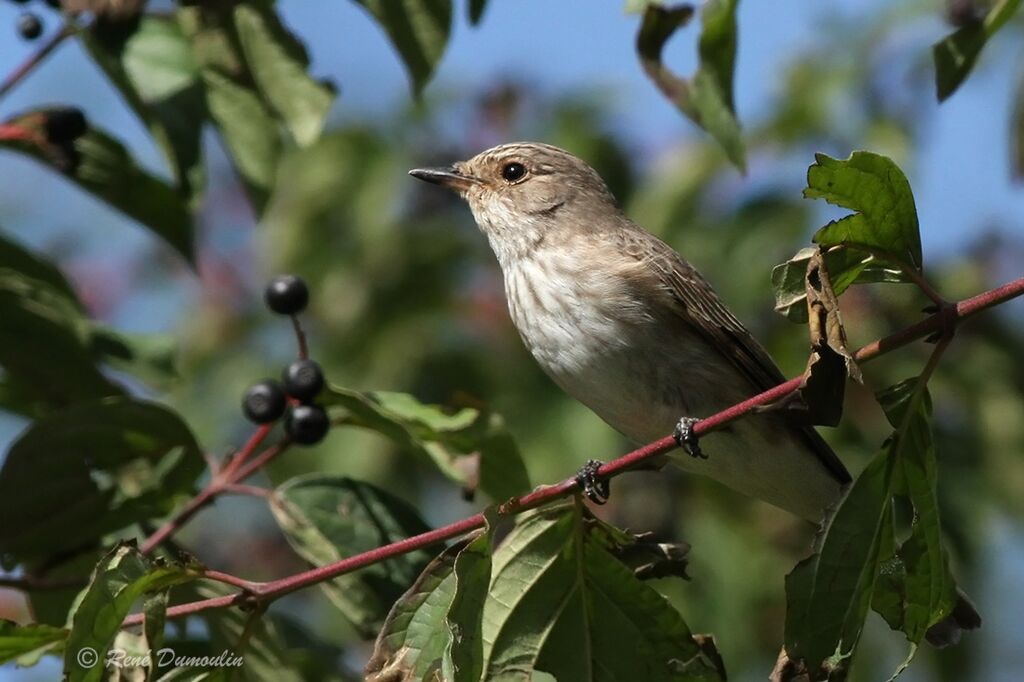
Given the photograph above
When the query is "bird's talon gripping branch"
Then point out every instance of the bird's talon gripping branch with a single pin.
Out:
(687, 439)
(596, 488)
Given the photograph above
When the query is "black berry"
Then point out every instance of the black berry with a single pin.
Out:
(65, 124)
(264, 402)
(307, 424)
(286, 295)
(303, 380)
(29, 26)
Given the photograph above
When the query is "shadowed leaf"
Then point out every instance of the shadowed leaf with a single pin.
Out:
(102, 166)
(707, 97)
(419, 31)
(92, 469)
(121, 577)
(956, 54)
(327, 518)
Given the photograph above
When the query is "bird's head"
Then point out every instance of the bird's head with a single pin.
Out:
(524, 194)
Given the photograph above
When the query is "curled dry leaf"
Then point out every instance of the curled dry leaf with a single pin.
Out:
(830, 362)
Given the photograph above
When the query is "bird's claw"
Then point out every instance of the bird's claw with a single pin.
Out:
(687, 439)
(597, 489)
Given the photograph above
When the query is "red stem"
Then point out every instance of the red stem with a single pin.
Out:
(265, 592)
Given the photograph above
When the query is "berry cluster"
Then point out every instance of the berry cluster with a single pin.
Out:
(268, 400)
(30, 26)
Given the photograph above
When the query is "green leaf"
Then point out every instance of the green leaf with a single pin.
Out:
(845, 266)
(256, 638)
(149, 357)
(858, 564)
(469, 446)
(45, 347)
(707, 97)
(278, 63)
(150, 62)
(929, 591)
(419, 31)
(555, 588)
(885, 218)
(828, 594)
(26, 644)
(51, 353)
(327, 518)
(242, 117)
(102, 166)
(956, 53)
(437, 620)
(14, 256)
(92, 469)
(463, 652)
(121, 577)
(476, 11)
(155, 609)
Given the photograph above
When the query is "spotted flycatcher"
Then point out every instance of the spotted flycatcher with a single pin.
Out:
(625, 325)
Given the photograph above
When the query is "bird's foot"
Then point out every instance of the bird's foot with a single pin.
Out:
(687, 439)
(596, 488)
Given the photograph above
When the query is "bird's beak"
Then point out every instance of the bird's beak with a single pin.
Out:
(448, 177)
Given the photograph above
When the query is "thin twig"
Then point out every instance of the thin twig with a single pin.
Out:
(266, 592)
(300, 338)
(36, 58)
(243, 489)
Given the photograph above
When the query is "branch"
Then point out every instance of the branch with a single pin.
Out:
(230, 474)
(943, 321)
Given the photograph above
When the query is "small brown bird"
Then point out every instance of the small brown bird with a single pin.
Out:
(625, 325)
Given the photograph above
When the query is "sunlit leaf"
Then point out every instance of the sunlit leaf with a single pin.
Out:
(846, 268)
(151, 63)
(244, 120)
(550, 578)
(279, 64)
(469, 446)
(885, 218)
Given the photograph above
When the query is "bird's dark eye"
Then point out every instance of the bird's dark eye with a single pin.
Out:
(513, 171)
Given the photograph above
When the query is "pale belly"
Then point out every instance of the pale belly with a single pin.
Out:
(641, 374)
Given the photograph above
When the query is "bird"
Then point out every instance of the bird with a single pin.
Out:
(624, 324)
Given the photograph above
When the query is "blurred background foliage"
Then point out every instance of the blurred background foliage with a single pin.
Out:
(406, 296)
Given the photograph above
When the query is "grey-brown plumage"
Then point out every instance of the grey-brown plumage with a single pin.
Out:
(625, 325)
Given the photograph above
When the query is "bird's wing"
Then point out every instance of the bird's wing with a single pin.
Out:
(697, 302)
